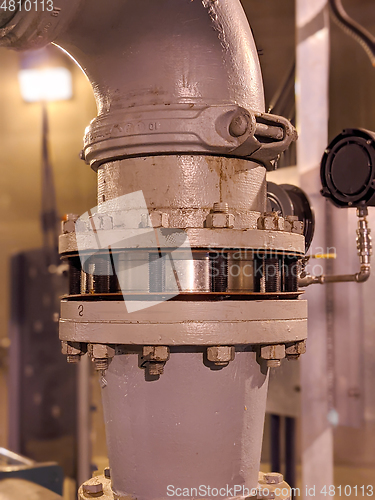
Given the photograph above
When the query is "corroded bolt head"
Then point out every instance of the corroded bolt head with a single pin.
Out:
(68, 223)
(102, 351)
(295, 349)
(72, 348)
(271, 221)
(219, 220)
(100, 222)
(272, 351)
(239, 125)
(158, 353)
(273, 478)
(93, 488)
(159, 219)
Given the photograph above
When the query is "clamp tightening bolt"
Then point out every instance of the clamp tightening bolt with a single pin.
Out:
(239, 125)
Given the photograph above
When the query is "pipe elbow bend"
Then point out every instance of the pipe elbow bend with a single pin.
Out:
(363, 275)
(33, 29)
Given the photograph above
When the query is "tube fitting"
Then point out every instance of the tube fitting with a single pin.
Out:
(364, 250)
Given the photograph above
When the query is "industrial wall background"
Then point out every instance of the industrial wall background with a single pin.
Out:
(349, 335)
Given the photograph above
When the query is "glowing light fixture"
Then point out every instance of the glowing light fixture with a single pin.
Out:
(45, 84)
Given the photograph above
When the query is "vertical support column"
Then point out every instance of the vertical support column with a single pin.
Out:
(312, 123)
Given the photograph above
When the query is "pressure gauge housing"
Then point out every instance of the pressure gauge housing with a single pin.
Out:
(348, 169)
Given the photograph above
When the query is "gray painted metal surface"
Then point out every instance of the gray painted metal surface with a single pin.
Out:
(193, 426)
(177, 76)
(197, 182)
(185, 323)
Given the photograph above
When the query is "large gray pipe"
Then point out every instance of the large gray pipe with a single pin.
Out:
(193, 427)
(165, 59)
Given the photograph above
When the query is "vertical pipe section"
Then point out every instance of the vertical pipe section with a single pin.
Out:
(312, 124)
(193, 426)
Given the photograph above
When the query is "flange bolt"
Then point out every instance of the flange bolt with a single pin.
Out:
(93, 489)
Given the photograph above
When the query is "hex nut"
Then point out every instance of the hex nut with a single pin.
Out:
(219, 220)
(68, 224)
(296, 348)
(275, 351)
(221, 355)
(93, 489)
(101, 222)
(159, 219)
(72, 348)
(101, 351)
(107, 473)
(289, 219)
(271, 222)
(145, 221)
(158, 354)
(273, 478)
(297, 227)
